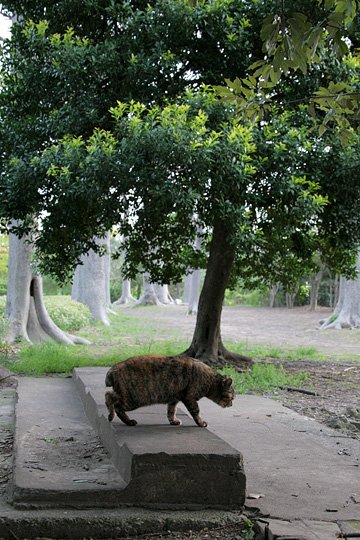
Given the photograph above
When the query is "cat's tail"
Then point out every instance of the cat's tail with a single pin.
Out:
(109, 381)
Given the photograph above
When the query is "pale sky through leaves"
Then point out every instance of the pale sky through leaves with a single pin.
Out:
(5, 24)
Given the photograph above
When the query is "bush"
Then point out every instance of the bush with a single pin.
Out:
(66, 313)
(244, 297)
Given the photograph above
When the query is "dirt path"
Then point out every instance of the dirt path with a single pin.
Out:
(283, 327)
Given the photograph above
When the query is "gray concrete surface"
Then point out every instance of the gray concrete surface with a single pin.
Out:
(300, 469)
(176, 461)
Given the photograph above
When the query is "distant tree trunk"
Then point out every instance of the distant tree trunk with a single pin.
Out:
(194, 292)
(126, 296)
(195, 282)
(347, 310)
(207, 344)
(148, 298)
(336, 290)
(187, 287)
(272, 294)
(314, 288)
(163, 294)
(25, 308)
(291, 296)
(91, 283)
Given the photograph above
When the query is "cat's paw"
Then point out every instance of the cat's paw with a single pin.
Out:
(111, 417)
(202, 423)
(175, 422)
(132, 423)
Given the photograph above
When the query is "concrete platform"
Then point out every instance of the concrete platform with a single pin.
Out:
(60, 460)
(305, 476)
(163, 465)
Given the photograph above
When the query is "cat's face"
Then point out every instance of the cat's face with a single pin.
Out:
(225, 393)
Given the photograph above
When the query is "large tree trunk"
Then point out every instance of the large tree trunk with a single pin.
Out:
(347, 310)
(91, 283)
(207, 344)
(25, 308)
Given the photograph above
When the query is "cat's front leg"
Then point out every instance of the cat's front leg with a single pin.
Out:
(171, 414)
(193, 408)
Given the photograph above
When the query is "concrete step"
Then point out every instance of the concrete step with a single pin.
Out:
(162, 465)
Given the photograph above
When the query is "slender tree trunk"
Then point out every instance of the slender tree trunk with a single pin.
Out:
(272, 294)
(314, 288)
(148, 298)
(207, 343)
(194, 292)
(347, 310)
(195, 282)
(187, 287)
(126, 296)
(291, 296)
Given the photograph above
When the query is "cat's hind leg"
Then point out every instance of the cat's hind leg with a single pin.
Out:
(110, 399)
(114, 405)
(193, 408)
(171, 414)
(123, 416)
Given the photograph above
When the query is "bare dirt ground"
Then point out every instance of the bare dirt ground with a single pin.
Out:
(334, 384)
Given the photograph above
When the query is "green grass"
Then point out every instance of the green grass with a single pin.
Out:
(54, 358)
(281, 353)
(50, 357)
(262, 378)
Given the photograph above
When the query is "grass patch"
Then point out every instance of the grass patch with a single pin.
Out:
(262, 378)
(263, 351)
(50, 357)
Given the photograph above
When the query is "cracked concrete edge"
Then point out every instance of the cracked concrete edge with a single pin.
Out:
(123, 522)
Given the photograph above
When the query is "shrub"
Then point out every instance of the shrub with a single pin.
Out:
(66, 313)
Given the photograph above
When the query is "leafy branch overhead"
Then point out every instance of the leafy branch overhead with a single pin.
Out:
(293, 41)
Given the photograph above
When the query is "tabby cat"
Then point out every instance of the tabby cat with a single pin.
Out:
(145, 380)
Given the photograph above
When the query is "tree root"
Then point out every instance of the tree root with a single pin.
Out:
(222, 359)
(40, 325)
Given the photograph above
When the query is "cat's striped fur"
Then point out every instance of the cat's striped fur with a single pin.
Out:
(146, 380)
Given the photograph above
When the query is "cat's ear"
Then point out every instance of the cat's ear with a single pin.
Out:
(228, 382)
